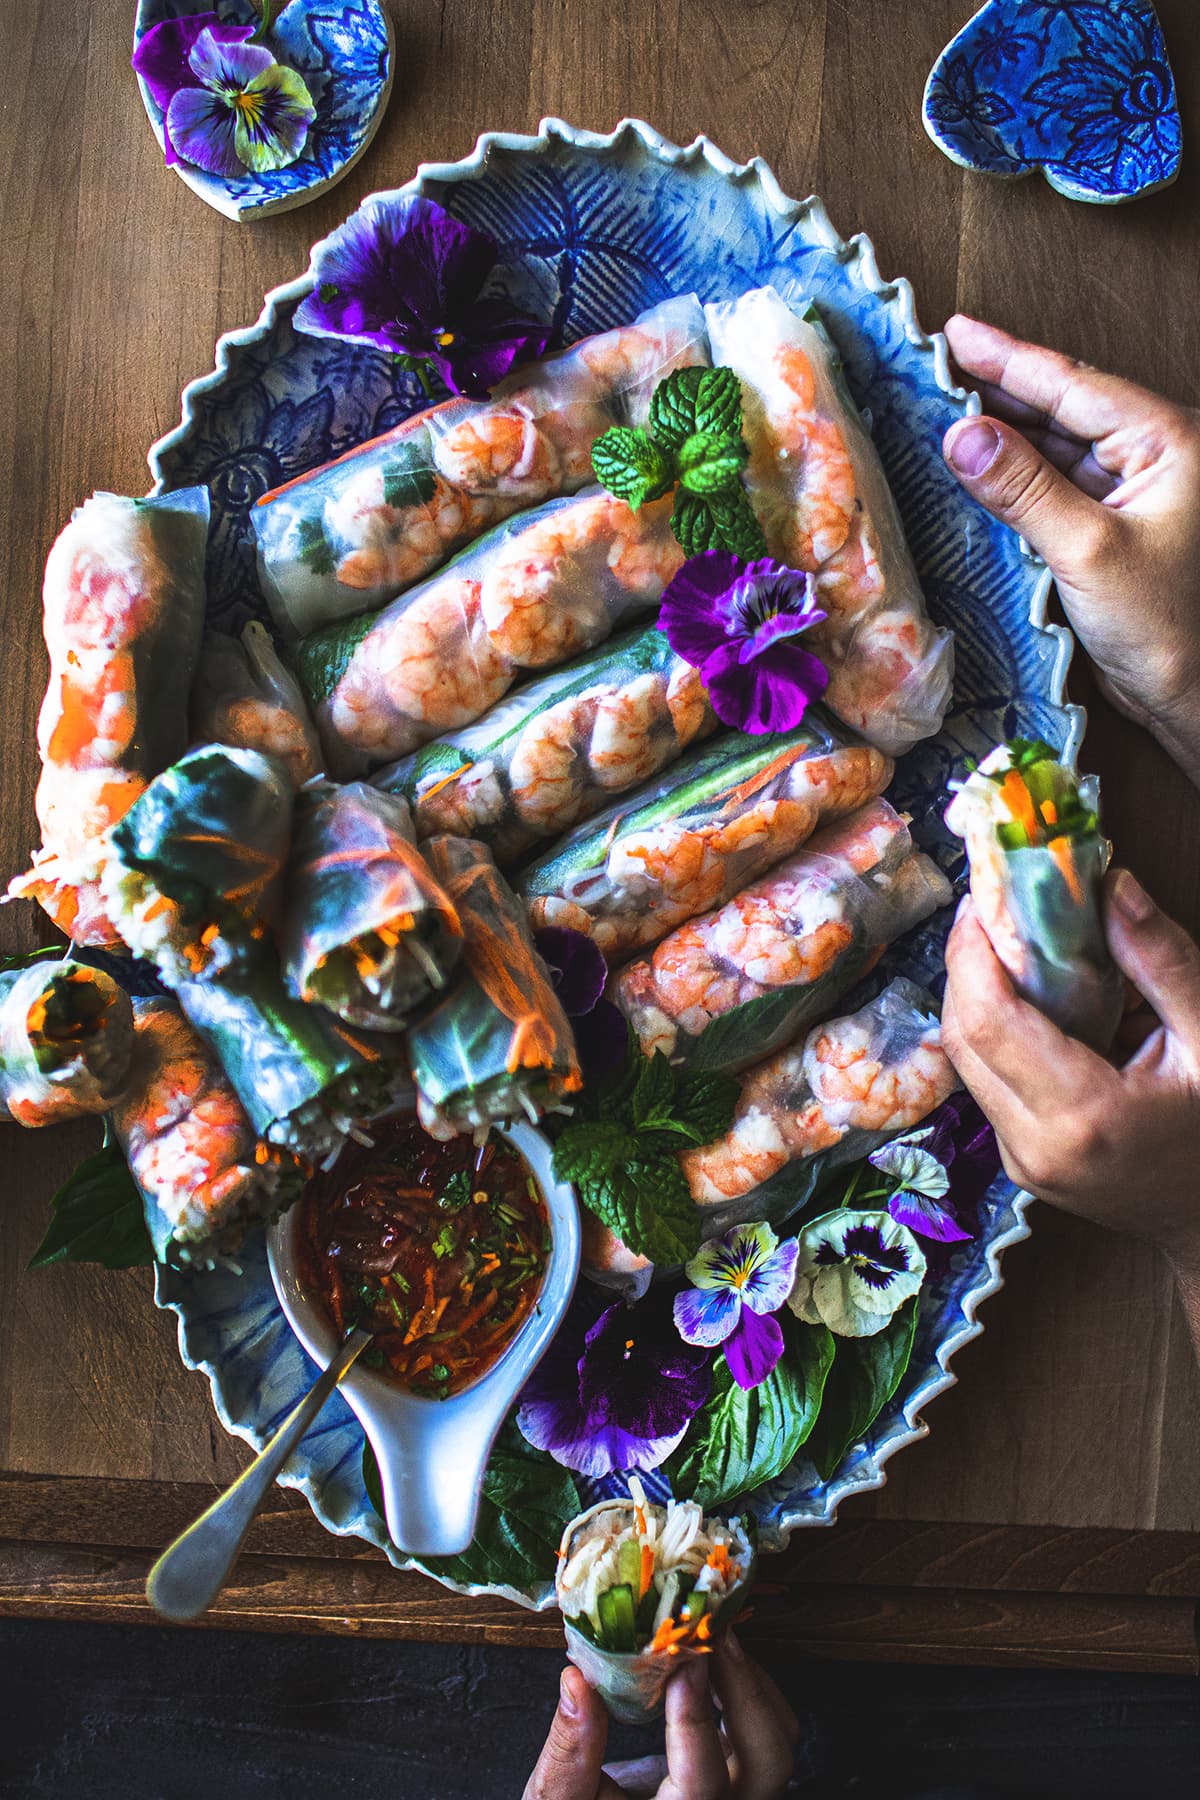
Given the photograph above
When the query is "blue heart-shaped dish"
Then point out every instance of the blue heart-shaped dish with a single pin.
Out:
(1079, 89)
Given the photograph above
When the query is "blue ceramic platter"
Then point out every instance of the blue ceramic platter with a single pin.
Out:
(343, 49)
(595, 229)
(1080, 89)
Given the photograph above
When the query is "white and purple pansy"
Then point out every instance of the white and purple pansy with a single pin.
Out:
(855, 1270)
(921, 1181)
(739, 1282)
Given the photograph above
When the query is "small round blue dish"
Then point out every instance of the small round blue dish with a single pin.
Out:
(345, 52)
(594, 228)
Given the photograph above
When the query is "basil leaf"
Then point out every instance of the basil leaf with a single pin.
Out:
(630, 465)
(673, 406)
(528, 1500)
(97, 1216)
(742, 1439)
(752, 1030)
(718, 403)
(648, 1204)
(866, 1373)
(588, 1151)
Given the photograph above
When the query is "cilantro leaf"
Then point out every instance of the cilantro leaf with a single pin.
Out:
(588, 1151)
(718, 403)
(673, 406)
(97, 1216)
(630, 465)
(312, 546)
(456, 1192)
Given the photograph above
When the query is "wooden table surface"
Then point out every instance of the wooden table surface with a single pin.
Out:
(1054, 1514)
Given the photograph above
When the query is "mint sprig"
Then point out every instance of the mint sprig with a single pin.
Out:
(694, 444)
(625, 1165)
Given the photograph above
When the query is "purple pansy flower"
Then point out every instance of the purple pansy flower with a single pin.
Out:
(854, 1270)
(615, 1392)
(404, 276)
(738, 1283)
(227, 105)
(738, 623)
(579, 972)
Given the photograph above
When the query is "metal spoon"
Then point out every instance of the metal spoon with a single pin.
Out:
(191, 1572)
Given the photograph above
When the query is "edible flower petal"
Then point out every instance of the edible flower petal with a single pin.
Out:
(854, 1271)
(403, 275)
(579, 972)
(161, 56)
(738, 623)
(738, 1282)
(617, 1391)
(228, 106)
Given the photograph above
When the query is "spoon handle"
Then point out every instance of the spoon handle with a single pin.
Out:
(191, 1572)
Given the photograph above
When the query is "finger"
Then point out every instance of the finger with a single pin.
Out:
(1042, 1067)
(758, 1721)
(1082, 400)
(1016, 483)
(569, 1767)
(1156, 954)
(638, 1779)
(694, 1755)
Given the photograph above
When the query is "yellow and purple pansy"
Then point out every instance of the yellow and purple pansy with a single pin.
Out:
(739, 1282)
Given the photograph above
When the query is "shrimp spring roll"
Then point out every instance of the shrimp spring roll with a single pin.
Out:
(720, 818)
(643, 1588)
(725, 989)
(195, 867)
(366, 931)
(818, 487)
(66, 1037)
(1037, 856)
(244, 696)
(204, 1175)
(531, 593)
(123, 609)
(357, 532)
(557, 749)
(853, 1083)
(499, 1043)
(305, 1079)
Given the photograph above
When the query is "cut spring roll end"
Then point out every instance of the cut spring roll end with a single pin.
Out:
(66, 1038)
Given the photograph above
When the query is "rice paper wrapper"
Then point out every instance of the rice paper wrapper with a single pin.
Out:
(245, 696)
(499, 1044)
(356, 872)
(66, 1039)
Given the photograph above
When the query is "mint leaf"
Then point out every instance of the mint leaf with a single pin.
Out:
(653, 1097)
(712, 465)
(706, 1105)
(742, 1439)
(630, 465)
(673, 406)
(648, 1204)
(736, 525)
(97, 1217)
(866, 1373)
(590, 1150)
(694, 525)
(719, 403)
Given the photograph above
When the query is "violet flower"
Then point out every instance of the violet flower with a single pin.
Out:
(738, 623)
(578, 973)
(616, 1392)
(227, 105)
(738, 1283)
(854, 1271)
(401, 274)
(959, 1138)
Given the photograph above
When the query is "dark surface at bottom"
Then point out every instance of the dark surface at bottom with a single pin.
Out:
(116, 1712)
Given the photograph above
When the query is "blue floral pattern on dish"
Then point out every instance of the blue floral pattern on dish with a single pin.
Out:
(343, 49)
(1080, 89)
(592, 229)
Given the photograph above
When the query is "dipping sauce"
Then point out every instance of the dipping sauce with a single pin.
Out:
(440, 1248)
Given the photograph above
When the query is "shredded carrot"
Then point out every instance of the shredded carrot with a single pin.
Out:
(1064, 862)
(1020, 804)
(1049, 812)
(748, 788)
(647, 1573)
(718, 1559)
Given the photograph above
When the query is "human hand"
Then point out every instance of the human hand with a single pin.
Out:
(749, 1758)
(1103, 478)
(1114, 1144)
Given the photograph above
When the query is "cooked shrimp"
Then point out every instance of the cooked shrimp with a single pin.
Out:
(751, 1152)
(853, 578)
(687, 703)
(642, 554)
(547, 769)
(538, 603)
(625, 745)
(461, 803)
(109, 592)
(877, 663)
(551, 909)
(266, 725)
(501, 452)
(393, 546)
(88, 718)
(857, 1089)
(603, 1251)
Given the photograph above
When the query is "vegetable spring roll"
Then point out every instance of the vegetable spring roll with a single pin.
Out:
(195, 868)
(819, 490)
(357, 532)
(305, 1079)
(1037, 856)
(720, 818)
(244, 696)
(66, 1037)
(726, 989)
(557, 749)
(644, 1587)
(367, 931)
(853, 1083)
(123, 609)
(534, 592)
(499, 1044)
(203, 1173)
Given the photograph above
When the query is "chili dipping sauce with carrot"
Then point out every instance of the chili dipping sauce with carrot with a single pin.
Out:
(439, 1248)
